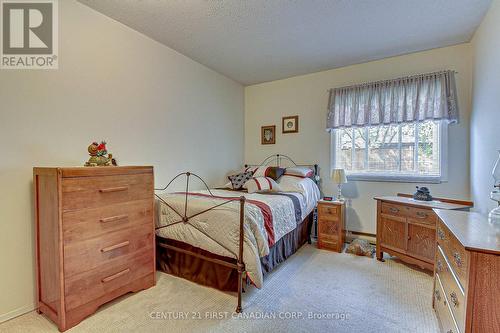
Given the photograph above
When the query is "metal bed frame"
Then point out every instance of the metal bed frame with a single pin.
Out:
(184, 218)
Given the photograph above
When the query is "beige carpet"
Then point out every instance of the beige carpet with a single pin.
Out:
(341, 292)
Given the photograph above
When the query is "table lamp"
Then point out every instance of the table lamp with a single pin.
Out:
(339, 178)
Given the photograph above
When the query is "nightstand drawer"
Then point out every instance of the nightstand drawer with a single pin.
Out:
(327, 227)
(330, 243)
(328, 212)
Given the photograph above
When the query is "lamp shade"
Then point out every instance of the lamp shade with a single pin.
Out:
(338, 176)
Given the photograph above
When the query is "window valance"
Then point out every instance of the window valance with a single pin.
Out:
(409, 99)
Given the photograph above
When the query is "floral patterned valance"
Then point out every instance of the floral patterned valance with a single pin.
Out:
(409, 99)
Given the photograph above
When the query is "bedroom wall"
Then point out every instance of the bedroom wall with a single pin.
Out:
(153, 105)
(485, 119)
(307, 97)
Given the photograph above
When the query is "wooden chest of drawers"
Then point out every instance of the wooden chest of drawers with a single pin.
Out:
(94, 238)
(466, 275)
(406, 228)
(331, 225)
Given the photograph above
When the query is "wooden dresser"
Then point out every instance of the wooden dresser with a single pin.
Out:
(467, 273)
(94, 238)
(331, 225)
(406, 228)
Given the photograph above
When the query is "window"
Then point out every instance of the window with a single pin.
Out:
(396, 152)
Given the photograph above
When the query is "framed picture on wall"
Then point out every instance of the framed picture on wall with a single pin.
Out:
(290, 124)
(268, 135)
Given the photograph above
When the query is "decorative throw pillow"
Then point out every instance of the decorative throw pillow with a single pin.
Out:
(239, 179)
(268, 171)
(262, 184)
(303, 172)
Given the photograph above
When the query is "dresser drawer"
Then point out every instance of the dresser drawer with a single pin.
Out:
(86, 287)
(393, 209)
(92, 192)
(89, 254)
(454, 292)
(89, 223)
(442, 309)
(328, 212)
(421, 215)
(454, 252)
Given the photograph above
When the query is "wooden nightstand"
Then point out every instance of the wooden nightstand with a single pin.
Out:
(331, 225)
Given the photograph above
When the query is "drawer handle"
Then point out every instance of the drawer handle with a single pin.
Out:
(449, 331)
(115, 276)
(393, 210)
(113, 218)
(458, 259)
(113, 189)
(422, 215)
(438, 296)
(440, 233)
(114, 247)
(454, 299)
(440, 266)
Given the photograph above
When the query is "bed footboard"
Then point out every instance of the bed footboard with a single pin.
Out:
(239, 265)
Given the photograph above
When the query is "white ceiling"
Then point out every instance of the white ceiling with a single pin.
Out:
(253, 41)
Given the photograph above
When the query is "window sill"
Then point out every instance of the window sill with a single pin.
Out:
(395, 178)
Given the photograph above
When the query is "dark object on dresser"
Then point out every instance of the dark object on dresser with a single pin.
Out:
(94, 238)
(406, 227)
(466, 284)
(422, 194)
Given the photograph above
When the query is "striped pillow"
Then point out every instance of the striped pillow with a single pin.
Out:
(261, 184)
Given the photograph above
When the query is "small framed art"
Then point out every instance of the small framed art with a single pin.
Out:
(268, 135)
(290, 124)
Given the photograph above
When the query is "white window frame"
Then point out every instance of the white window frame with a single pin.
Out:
(401, 177)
